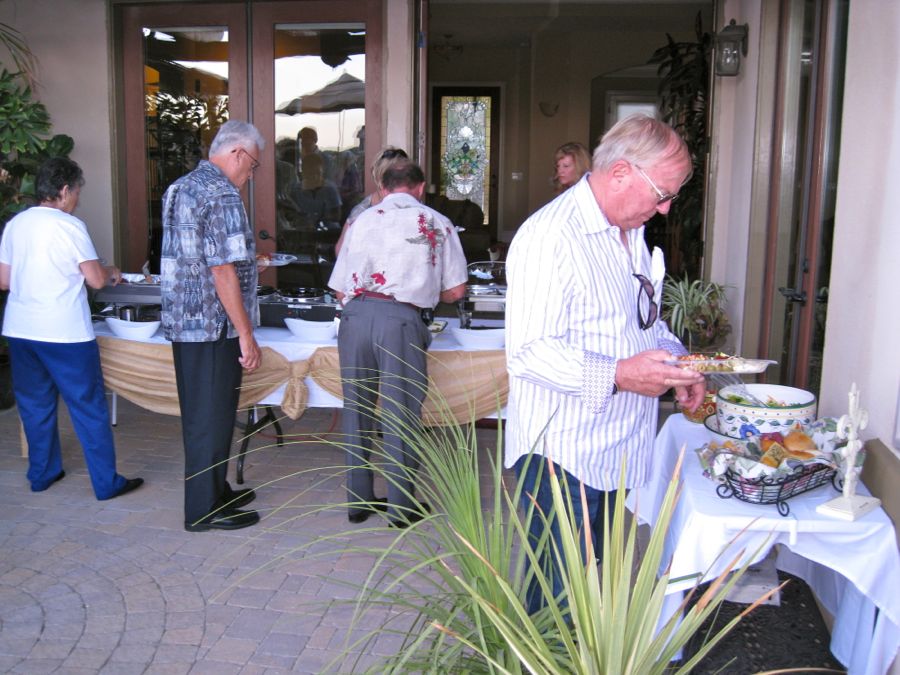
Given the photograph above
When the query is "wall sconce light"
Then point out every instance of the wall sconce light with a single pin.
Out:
(548, 108)
(731, 44)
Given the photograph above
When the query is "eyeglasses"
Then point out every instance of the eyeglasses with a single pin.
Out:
(662, 197)
(254, 163)
(647, 290)
(393, 153)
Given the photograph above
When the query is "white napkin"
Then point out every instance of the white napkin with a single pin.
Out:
(657, 272)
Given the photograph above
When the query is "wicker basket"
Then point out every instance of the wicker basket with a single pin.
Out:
(766, 490)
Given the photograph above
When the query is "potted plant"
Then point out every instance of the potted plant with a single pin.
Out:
(683, 69)
(695, 312)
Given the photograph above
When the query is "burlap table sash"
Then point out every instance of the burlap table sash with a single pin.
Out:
(466, 385)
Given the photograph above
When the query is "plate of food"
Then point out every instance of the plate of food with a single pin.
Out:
(132, 278)
(720, 363)
(275, 259)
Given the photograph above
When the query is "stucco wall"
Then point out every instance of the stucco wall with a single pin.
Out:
(70, 41)
(863, 318)
(731, 168)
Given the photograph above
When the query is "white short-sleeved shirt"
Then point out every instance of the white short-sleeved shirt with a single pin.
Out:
(400, 248)
(44, 248)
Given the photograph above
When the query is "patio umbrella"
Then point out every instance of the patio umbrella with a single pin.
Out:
(344, 93)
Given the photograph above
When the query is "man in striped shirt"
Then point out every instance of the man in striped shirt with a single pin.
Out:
(585, 349)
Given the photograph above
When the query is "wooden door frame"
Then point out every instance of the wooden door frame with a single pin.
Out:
(244, 46)
(813, 176)
(266, 15)
(133, 19)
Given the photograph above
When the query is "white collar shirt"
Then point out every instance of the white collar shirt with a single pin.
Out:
(403, 249)
(571, 313)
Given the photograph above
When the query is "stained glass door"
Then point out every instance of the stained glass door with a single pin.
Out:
(465, 147)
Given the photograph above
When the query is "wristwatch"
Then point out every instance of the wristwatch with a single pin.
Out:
(615, 389)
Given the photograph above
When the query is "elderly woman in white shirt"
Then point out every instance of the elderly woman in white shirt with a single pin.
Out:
(46, 258)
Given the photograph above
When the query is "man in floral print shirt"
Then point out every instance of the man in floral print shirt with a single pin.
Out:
(398, 258)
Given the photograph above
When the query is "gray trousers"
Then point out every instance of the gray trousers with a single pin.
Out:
(382, 346)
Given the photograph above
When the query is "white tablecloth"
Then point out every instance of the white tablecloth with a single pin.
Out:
(292, 348)
(853, 567)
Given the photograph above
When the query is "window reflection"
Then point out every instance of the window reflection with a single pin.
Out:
(185, 103)
(320, 143)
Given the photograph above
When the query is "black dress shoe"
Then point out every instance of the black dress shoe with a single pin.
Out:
(131, 484)
(236, 499)
(363, 512)
(411, 516)
(57, 478)
(226, 519)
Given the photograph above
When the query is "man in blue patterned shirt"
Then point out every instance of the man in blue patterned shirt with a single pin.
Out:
(209, 311)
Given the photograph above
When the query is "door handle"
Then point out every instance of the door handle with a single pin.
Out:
(793, 294)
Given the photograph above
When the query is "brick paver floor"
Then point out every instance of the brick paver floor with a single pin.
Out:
(120, 587)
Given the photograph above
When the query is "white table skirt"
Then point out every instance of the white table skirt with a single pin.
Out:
(292, 348)
(853, 567)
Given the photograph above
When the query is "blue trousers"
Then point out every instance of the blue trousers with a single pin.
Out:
(539, 488)
(44, 371)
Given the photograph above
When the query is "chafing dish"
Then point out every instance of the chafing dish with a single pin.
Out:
(485, 292)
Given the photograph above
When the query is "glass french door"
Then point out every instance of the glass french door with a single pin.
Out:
(316, 78)
(299, 71)
(184, 73)
(801, 220)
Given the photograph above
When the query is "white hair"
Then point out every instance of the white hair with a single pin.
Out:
(235, 134)
(638, 139)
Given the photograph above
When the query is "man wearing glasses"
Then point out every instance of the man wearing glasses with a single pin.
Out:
(209, 311)
(585, 348)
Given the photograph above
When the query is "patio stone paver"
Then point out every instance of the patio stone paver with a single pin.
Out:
(119, 587)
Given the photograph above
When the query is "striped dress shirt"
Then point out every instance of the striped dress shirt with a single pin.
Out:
(571, 314)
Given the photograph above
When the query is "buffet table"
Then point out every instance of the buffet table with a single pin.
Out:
(853, 567)
(296, 375)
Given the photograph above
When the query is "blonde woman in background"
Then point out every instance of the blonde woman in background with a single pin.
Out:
(572, 161)
(385, 159)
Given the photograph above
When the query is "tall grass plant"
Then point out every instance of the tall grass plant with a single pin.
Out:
(449, 590)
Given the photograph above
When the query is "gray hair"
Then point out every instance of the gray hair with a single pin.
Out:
(235, 134)
(639, 139)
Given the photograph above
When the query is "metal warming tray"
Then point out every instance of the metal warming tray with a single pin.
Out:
(130, 294)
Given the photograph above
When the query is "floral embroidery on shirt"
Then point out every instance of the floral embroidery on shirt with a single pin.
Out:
(430, 236)
(378, 279)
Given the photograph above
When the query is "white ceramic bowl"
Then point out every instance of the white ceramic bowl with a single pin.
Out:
(799, 408)
(132, 330)
(479, 339)
(312, 331)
